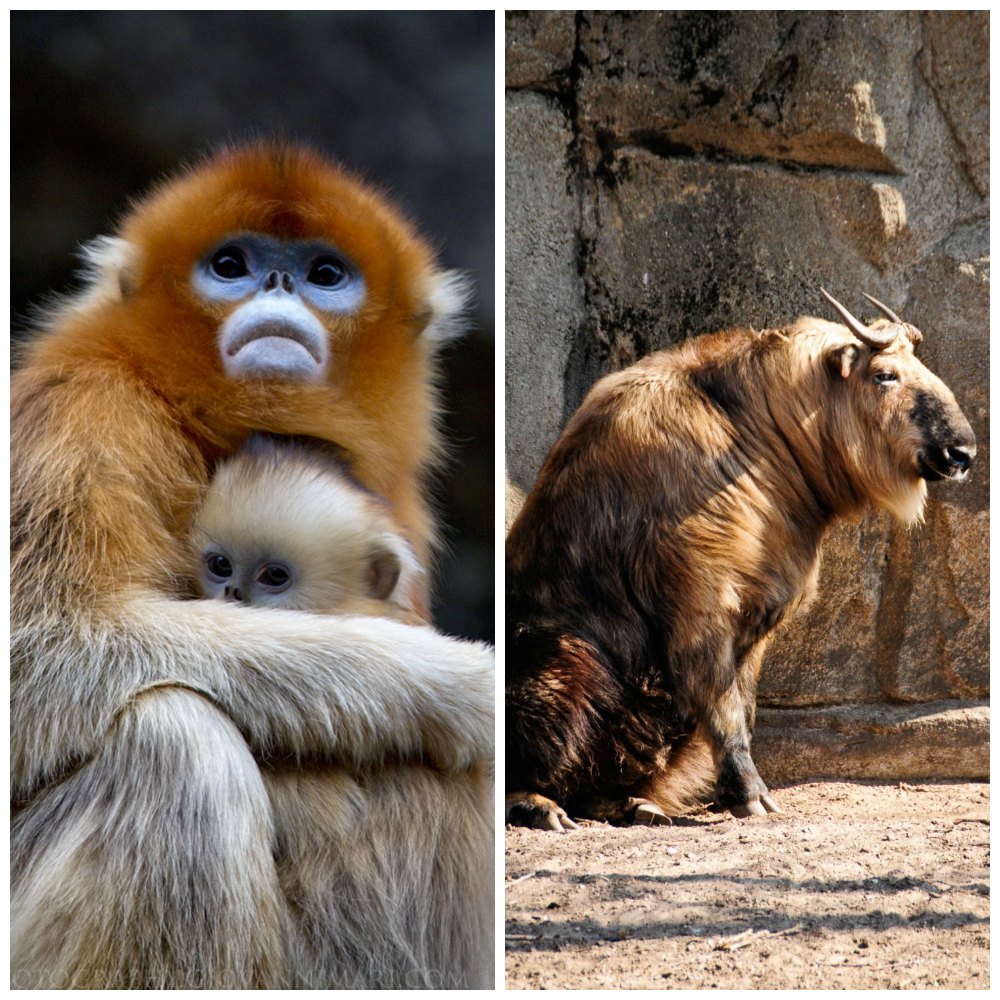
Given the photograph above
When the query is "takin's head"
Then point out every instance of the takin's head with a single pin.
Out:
(898, 426)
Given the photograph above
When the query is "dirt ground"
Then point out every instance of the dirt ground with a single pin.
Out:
(852, 886)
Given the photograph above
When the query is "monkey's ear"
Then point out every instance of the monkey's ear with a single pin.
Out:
(395, 575)
(383, 574)
(445, 313)
(110, 267)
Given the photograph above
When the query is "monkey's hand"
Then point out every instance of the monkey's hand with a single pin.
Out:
(296, 685)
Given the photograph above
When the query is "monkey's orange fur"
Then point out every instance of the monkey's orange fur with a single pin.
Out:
(378, 400)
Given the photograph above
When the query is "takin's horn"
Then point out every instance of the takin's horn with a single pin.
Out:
(889, 314)
(866, 336)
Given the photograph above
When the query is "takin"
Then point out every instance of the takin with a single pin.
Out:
(675, 524)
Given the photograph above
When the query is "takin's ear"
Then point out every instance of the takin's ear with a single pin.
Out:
(443, 317)
(842, 360)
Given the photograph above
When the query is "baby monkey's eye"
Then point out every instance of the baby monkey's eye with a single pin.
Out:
(273, 576)
(218, 566)
(885, 378)
(230, 262)
(327, 272)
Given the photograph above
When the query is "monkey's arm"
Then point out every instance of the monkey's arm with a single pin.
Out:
(299, 685)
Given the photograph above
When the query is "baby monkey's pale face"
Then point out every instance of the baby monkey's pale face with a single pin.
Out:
(281, 528)
(260, 581)
(326, 583)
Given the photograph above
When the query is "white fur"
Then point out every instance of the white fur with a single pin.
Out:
(449, 299)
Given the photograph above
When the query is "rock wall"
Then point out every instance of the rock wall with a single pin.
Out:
(671, 173)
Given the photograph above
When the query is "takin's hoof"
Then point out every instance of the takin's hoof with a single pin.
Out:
(620, 812)
(536, 812)
(646, 813)
(755, 807)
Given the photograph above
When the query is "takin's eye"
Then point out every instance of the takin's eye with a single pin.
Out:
(885, 379)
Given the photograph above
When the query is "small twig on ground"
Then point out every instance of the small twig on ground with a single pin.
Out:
(521, 878)
(748, 937)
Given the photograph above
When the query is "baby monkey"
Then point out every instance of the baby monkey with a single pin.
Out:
(285, 525)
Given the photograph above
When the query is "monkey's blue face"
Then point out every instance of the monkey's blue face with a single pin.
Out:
(281, 291)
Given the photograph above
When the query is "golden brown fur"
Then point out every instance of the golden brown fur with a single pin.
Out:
(676, 522)
(143, 838)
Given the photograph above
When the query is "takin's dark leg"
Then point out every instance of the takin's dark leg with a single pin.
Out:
(686, 778)
(719, 696)
(747, 675)
(680, 776)
(559, 692)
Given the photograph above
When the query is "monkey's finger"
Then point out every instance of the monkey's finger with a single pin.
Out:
(769, 804)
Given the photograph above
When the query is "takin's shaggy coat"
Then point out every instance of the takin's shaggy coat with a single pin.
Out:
(675, 524)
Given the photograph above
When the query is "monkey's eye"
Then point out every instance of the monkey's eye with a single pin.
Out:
(218, 566)
(273, 576)
(327, 272)
(229, 263)
(885, 378)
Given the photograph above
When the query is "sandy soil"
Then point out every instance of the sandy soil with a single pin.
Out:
(852, 886)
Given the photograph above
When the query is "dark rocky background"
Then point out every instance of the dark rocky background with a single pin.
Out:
(105, 102)
(672, 173)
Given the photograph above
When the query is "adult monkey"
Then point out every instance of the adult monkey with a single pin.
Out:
(264, 291)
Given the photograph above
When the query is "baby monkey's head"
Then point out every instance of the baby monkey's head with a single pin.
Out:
(284, 525)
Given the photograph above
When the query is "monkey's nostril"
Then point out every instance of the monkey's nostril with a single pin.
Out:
(286, 282)
(271, 281)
